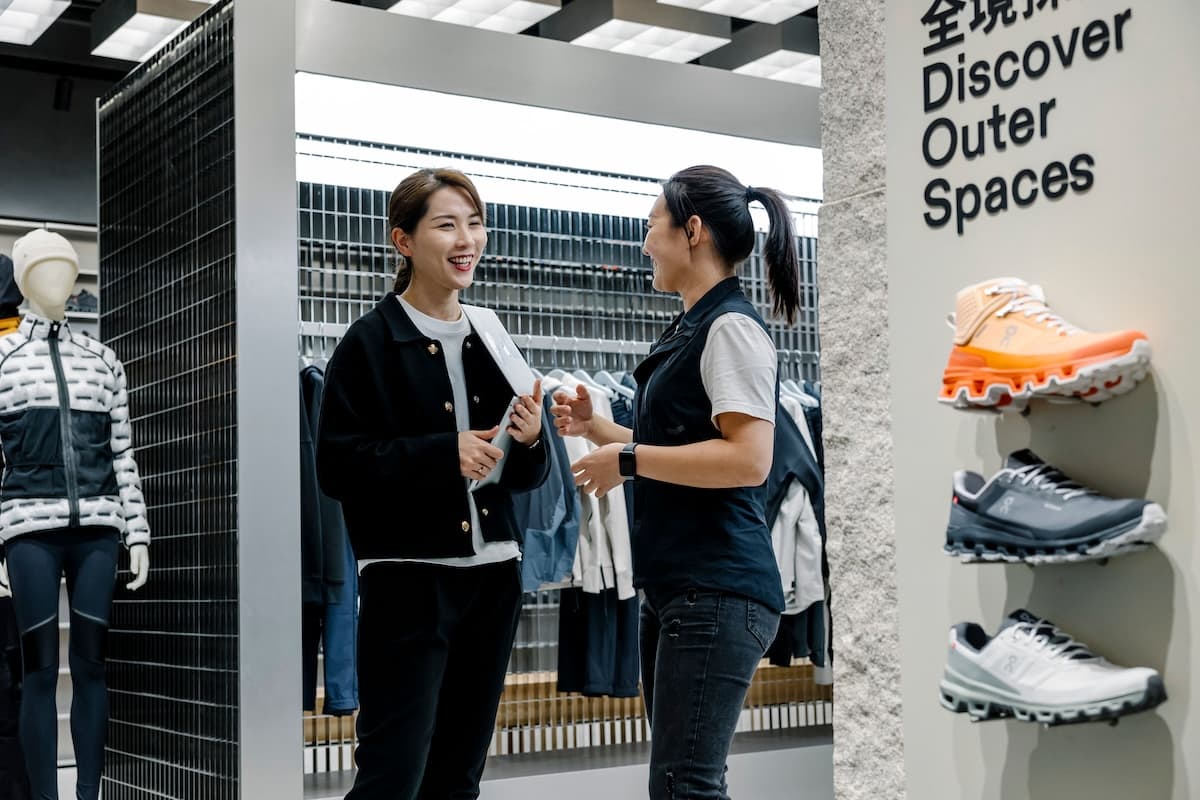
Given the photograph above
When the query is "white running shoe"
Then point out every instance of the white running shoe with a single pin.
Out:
(1033, 671)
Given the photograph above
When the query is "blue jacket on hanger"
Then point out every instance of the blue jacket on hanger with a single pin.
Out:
(549, 516)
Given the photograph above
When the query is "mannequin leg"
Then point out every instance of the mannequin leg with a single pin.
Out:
(34, 567)
(91, 567)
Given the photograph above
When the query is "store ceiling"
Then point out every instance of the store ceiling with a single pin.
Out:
(683, 30)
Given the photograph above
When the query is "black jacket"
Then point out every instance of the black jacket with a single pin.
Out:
(322, 529)
(387, 447)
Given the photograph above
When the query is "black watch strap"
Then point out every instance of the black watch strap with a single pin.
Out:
(627, 461)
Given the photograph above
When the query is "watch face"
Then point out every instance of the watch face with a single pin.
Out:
(627, 463)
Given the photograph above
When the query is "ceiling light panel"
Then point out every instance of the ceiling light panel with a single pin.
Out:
(651, 41)
(508, 16)
(639, 27)
(789, 51)
(24, 21)
(133, 30)
(786, 65)
(140, 37)
(772, 11)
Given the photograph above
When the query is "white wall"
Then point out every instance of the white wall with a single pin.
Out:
(1118, 255)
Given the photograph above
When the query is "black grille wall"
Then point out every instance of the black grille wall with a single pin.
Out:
(166, 191)
(546, 272)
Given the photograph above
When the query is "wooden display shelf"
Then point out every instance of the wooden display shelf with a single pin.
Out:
(532, 700)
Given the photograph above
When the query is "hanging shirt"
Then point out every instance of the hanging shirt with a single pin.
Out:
(451, 335)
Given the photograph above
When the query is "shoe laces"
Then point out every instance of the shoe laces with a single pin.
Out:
(1045, 476)
(1031, 300)
(1045, 637)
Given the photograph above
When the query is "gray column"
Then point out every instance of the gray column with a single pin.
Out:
(267, 407)
(868, 749)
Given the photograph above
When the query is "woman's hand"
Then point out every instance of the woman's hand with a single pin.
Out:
(573, 415)
(476, 455)
(599, 472)
(526, 416)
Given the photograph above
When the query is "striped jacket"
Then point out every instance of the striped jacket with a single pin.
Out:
(65, 435)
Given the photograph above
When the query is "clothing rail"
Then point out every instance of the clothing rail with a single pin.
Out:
(527, 341)
(335, 330)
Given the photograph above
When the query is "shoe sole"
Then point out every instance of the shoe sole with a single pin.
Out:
(1008, 390)
(982, 706)
(1114, 542)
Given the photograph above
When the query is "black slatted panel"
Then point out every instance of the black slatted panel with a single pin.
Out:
(546, 272)
(167, 277)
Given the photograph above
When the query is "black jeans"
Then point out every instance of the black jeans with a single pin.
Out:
(36, 562)
(433, 648)
(699, 652)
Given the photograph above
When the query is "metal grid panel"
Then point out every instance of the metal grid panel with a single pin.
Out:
(576, 279)
(167, 275)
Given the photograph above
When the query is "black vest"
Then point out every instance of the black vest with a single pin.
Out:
(685, 537)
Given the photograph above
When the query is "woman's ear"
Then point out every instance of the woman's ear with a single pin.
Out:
(694, 229)
(402, 241)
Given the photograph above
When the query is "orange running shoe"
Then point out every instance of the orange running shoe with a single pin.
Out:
(1009, 347)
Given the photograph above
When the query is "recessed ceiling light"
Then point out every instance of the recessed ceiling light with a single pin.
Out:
(639, 27)
(23, 21)
(785, 52)
(771, 11)
(509, 16)
(133, 30)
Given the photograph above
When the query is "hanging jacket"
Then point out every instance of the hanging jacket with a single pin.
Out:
(549, 515)
(10, 295)
(10, 298)
(65, 435)
(323, 538)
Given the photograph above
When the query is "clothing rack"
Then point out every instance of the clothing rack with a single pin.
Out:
(526, 341)
(558, 344)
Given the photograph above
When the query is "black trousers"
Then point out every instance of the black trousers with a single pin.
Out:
(13, 783)
(36, 563)
(433, 649)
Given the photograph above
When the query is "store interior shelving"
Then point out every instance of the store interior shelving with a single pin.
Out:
(84, 239)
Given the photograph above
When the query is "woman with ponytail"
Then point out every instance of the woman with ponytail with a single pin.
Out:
(699, 452)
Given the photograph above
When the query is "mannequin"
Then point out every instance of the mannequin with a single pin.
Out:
(71, 496)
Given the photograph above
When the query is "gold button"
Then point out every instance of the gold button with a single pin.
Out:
(466, 526)
(449, 406)
(432, 349)
(483, 511)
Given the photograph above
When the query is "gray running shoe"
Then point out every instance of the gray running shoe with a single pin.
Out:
(1034, 672)
(1031, 512)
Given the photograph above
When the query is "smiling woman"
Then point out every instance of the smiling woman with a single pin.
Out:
(439, 205)
(408, 420)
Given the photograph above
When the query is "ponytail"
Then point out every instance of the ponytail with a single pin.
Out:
(783, 265)
(719, 199)
(403, 276)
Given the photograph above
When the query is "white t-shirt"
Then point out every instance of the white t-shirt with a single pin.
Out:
(452, 335)
(738, 367)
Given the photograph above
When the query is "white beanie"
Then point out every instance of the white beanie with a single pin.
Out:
(40, 245)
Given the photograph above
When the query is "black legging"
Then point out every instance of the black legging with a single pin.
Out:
(36, 562)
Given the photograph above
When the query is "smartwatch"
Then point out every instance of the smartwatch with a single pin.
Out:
(627, 461)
